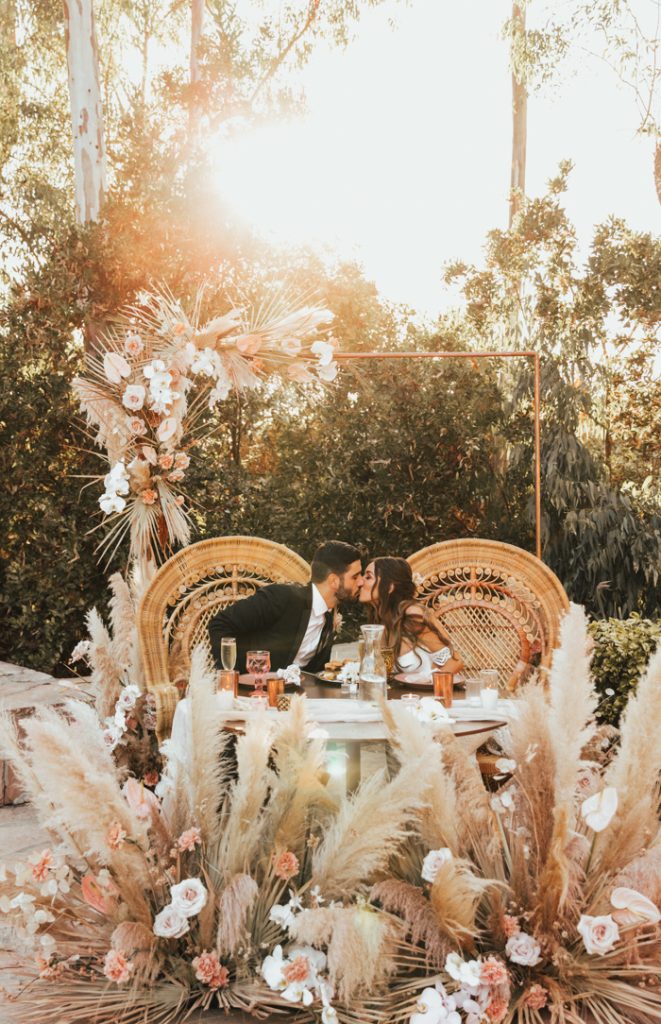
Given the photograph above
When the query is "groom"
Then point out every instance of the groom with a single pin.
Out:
(293, 622)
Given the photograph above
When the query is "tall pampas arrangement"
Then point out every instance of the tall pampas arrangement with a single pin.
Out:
(419, 899)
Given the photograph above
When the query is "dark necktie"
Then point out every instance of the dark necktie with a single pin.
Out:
(326, 631)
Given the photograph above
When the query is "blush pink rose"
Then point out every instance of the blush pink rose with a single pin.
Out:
(599, 934)
(523, 949)
(210, 971)
(536, 997)
(116, 967)
(189, 839)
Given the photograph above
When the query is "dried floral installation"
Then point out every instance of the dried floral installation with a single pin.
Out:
(149, 384)
(237, 881)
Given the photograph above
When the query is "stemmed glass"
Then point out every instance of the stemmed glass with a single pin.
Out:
(258, 663)
(228, 652)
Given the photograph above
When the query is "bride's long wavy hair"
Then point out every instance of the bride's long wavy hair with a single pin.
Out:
(392, 596)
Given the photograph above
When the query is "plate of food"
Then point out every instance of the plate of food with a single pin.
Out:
(336, 671)
(415, 680)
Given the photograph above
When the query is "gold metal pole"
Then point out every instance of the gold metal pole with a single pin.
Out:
(538, 458)
(345, 356)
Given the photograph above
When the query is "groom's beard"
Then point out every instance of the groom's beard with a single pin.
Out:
(345, 595)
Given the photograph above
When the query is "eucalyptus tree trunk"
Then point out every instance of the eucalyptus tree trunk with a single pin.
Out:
(86, 110)
(519, 115)
(197, 16)
(9, 80)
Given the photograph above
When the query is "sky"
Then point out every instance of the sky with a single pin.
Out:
(403, 159)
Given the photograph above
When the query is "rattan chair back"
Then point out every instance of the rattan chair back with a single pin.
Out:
(187, 591)
(500, 605)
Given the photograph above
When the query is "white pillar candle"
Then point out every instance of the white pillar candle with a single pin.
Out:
(489, 699)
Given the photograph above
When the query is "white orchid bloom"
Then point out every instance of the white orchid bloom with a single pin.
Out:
(434, 1007)
(111, 503)
(272, 969)
(206, 362)
(117, 480)
(466, 972)
(328, 372)
(323, 351)
(598, 810)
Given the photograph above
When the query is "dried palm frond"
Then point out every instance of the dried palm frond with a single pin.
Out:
(360, 945)
(643, 873)
(422, 921)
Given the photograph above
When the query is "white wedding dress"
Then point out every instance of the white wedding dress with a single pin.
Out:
(418, 662)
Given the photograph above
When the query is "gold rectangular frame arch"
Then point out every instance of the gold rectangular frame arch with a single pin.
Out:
(346, 356)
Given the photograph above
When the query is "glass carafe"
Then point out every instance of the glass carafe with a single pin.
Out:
(372, 678)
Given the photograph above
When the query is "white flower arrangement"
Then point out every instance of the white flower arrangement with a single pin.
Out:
(147, 389)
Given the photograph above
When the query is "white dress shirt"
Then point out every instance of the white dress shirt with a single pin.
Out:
(313, 632)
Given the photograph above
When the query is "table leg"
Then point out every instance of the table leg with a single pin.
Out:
(353, 765)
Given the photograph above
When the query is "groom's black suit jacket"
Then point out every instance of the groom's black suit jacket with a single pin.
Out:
(273, 619)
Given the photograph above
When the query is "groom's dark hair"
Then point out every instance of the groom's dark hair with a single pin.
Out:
(333, 556)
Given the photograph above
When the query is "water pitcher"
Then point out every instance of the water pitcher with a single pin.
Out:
(372, 679)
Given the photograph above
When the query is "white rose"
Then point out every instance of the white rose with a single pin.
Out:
(632, 908)
(523, 949)
(599, 933)
(599, 809)
(188, 897)
(128, 697)
(170, 923)
(133, 397)
(433, 861)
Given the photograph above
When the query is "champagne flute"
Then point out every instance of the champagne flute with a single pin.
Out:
(258, 664)
(228, 652)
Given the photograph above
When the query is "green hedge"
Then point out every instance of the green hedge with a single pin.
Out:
(622, 648)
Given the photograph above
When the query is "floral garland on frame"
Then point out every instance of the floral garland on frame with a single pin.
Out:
(152, 378)
(241, 882)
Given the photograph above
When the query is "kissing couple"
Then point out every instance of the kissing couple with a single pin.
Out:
(296, 623)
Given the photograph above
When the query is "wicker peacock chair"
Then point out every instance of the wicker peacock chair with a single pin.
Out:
(500, 605)
(187, 591)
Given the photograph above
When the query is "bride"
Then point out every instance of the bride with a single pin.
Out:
(419, 642)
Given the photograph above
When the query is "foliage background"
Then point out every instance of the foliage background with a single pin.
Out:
(419, 454)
